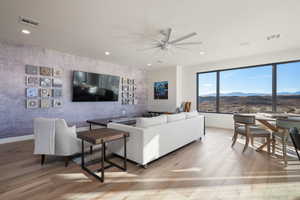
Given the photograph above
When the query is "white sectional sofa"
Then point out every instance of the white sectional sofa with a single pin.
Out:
(155, 137)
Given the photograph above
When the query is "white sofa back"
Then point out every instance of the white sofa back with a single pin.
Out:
(147, 144)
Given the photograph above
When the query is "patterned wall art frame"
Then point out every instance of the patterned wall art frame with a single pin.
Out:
(32, 103)
(128, 89)
(43, 87)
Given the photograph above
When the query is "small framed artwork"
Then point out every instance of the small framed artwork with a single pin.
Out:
(32, 81)
(45, 82)
(32, 103)
(161, 90)
(45, 71)
(45, 103)
(32, 70)
(58, 72)
(57, 82)
(57, 92)
(45, 92)
(32, 92)
(57, 103)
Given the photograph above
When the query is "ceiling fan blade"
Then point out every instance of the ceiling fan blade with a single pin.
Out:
(185, 49)
(183, 38)
(148, 48)
(169, 34)
(187, 43)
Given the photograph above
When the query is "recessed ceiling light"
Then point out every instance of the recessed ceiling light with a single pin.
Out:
(25, 31)
(149, 64)
(107, 53)
(202, 52)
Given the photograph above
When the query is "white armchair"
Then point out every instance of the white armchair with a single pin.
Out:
(54, 137)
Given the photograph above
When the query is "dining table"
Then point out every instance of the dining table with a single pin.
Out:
(268, 122)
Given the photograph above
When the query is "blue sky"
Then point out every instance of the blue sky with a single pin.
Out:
(253, 80)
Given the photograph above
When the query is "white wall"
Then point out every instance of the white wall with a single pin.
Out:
(189, 79)
(174, 77)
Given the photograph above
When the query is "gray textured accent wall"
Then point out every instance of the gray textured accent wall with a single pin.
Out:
(16, 120)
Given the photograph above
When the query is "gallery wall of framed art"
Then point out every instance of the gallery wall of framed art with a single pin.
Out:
(43, 87)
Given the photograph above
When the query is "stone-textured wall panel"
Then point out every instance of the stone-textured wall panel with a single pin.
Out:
(16, 120)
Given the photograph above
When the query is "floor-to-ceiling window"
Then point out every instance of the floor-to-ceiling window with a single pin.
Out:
(207, 92)
(288, 87)
(246, 90)
(264, 88)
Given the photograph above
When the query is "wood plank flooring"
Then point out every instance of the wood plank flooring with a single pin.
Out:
(207, 169)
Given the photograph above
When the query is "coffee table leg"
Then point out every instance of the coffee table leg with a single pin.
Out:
(102, 161)
(125, 154)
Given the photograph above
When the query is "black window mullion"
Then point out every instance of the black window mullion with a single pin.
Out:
(274, 87)
(218, 92)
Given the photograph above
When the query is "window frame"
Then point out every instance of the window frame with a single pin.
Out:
(274, 84)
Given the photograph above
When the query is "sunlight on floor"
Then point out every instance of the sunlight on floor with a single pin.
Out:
(195, 169)
(74, 177)
(276, 191)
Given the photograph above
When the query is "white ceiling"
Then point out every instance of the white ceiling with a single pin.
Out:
(89, 28)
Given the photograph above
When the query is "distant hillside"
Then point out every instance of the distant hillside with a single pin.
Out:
(243, 94)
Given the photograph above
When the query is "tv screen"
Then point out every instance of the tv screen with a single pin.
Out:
(95, 87)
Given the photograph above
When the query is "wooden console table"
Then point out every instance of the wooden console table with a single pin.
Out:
(102, 136)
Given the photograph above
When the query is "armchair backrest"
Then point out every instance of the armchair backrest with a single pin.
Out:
(44, 136)
(244, 119)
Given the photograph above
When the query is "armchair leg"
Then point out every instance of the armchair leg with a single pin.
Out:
(42, 159)
(247, 143)
(234, 138)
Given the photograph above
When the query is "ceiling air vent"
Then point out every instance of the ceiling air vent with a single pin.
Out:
(28, 21)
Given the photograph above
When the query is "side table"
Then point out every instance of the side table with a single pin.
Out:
(102, 136)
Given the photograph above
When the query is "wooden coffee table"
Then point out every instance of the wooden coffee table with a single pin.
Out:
(102, 136)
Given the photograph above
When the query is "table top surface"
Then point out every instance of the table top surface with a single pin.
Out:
(271, 116)
(97, 136)
(105, 121)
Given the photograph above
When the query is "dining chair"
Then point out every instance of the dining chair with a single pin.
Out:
(295, 136)
(284, 125)
(245, 125)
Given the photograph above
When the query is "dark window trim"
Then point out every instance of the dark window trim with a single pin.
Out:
(274, 83)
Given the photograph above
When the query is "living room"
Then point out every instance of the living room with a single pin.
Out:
(149, 99)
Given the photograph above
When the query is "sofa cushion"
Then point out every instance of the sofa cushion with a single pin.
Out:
(175, 117)
(151, 121)
(190, 115)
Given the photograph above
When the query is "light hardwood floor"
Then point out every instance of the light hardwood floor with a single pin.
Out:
(207, 169)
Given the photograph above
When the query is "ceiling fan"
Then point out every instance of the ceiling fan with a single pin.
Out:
(166, 43)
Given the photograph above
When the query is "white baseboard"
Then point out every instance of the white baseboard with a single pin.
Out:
(30, 137)
(16, 139)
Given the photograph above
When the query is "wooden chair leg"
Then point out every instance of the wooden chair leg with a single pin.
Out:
(273, 145)
(269, 144)
(246, 144)
(284, 150)
(234, 138)
(42, 159)
(252, 141)
(67, 158)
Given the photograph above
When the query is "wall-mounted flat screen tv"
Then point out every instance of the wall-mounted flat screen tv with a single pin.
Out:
(95, 87)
